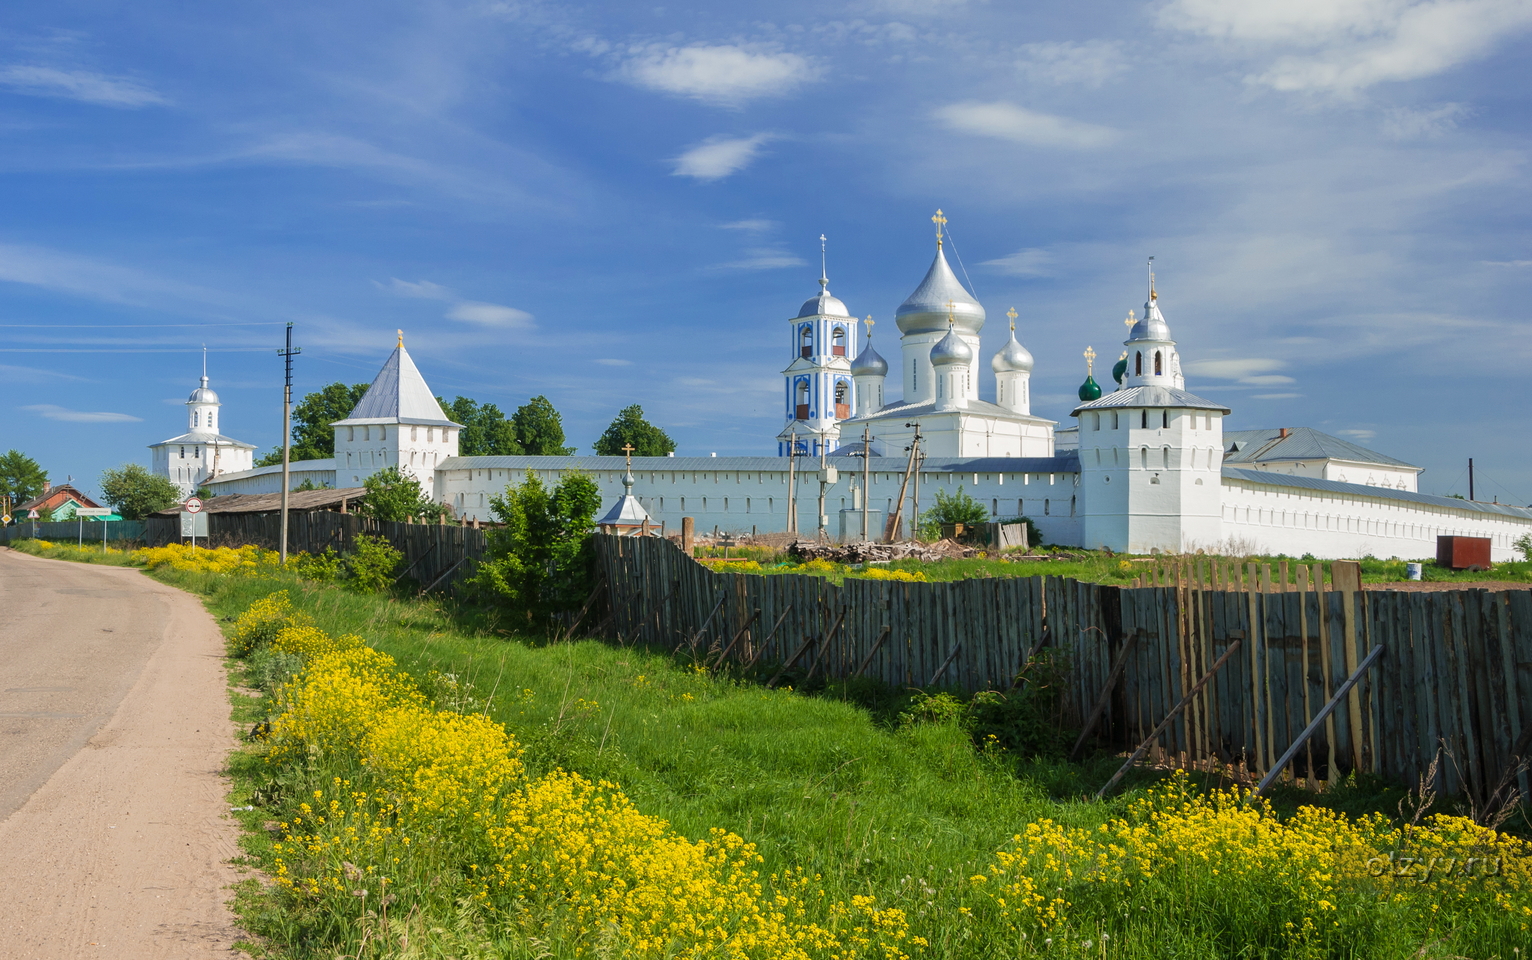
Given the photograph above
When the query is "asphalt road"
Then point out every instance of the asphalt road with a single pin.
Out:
(114, 728)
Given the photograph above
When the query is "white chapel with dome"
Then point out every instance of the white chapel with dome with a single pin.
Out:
(1145, 466)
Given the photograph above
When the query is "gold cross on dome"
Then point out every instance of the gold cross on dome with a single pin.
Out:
(1130, 321)
(1090, 361)
(1012, 314)
(950, 319)
(940, 222)
(627, 448)
(870, 322)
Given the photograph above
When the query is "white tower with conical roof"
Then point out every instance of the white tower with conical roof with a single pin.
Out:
(398, 423)
(818, 388)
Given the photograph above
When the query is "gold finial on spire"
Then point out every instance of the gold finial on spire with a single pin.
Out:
(940, 222)
(1012, 314)
(627, 448)
(950, 318)
(869, 322)
(401, 338)
(1152, 295)
(1090, 361)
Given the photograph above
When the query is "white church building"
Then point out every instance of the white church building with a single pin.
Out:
(1145, 467)
(201, 454)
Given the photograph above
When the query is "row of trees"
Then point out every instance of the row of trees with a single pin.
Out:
(534, 429)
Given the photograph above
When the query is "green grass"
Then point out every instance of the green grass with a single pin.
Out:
(820, 783)
(53, 550)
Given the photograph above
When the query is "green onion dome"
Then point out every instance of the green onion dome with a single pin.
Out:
(1120, 370)
(1090, 390)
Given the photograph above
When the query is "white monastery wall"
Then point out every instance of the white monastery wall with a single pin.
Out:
(1330, 525)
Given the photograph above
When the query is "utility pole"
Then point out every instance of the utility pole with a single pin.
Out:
(896, 524)
(917, 459)
(827, 476)
(866, 477)
(792, 487)
(287, 433)
(1470, 478)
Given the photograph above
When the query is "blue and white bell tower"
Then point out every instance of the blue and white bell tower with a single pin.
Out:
(819, 391)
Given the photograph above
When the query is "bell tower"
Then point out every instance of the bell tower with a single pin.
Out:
(819, 387)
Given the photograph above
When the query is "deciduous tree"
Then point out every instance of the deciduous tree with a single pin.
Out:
(395, 495)
(486, 431)
(541, 560)
(21, 477)
(313, 437)
(135, 493)
(631, 427)
(540, 429)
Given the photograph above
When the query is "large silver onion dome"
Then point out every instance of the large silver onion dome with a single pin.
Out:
(1152, 325)
(951, 349)
(1012, 358)
(868, 363)
(925, 310)
(203, 394)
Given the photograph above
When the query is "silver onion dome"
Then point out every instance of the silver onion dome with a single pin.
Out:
(951, 349)
(1012, 358)
(925, 310)
(868, 363)
(823, 305)
(202, 394)
(1152, 325)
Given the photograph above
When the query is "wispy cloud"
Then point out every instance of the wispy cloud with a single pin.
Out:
(1251, 371)
(421, 289)
(1350, 45)
(1507, 263)
(614, 362)
(1090, 63)
(95, 279)
(1007, 121)
(765, 258)
(14, 374)
(1275, 396)
(491, 315)
(1403, 123)
(53, 412)
(79, 85)
(1028, 262)
(718, 157)
(723, 75)
(1358, 434)
(752, 226)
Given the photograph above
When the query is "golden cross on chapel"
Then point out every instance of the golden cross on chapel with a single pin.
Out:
(1090, 361)
(627, 448)
(869, 321)
(950, 318)
(1130, 321)
(1012, 314)
(940, 222)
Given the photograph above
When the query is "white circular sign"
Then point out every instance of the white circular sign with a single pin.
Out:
(194, 505)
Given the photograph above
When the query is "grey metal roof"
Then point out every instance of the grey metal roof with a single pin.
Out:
(1381, 493)
(982, 407)
(217, 439)
(1301, 443)
(626, 512)
(398, 394)
(1013, 357)
(294, 466)
(1065, 463)
(1151, 396)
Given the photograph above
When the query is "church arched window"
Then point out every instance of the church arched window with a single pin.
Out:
(806, 340)
(1159, 363)
(801, 400)
(195, 418)
(1165, 456)
(1138, 363)
(838, 342)
(1095, 421)
(1165, 418)
(1143, 419)
(842, 399)
(1143, 457)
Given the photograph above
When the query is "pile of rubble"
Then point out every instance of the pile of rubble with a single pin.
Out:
(805, 550)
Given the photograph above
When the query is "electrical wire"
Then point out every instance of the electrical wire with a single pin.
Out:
(961, 266)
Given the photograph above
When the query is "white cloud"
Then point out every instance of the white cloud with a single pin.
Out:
(1507, 263)
(1275, 396)
(1090, 63)
(725, 75)
(1358, 434)
(1403, 123)
(765, 258)
(1253, 371)
(1354, 44)
(53, 412)
(423, 290)
(717, 157)
(752, 226)
(1006, 121)
(1029, 262)
(490, 315)
(611, 362)
(79, 85)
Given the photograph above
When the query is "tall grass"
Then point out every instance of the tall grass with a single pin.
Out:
(908, 813)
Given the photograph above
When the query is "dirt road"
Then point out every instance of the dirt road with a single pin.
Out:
(114, 727)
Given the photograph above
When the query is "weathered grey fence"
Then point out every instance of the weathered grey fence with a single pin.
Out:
(1454, 683)
(434, 554)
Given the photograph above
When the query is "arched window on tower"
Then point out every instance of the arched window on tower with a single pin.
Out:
(838, 342)
(801, 401)
(842, 399)
(806, 340)
(195, 418)
(1138, 363)
(1159, 363)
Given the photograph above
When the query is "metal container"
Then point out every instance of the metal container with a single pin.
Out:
(1412, 571)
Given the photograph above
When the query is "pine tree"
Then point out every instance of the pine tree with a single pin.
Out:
(21, 477)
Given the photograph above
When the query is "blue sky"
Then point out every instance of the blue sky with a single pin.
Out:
(615, 203)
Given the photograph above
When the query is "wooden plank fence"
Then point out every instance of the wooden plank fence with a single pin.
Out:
(1453, 685)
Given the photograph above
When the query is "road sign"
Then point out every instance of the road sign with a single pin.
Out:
(194, 525)
(93, 512)
(33, 514)
(193, 505)
(4, 519)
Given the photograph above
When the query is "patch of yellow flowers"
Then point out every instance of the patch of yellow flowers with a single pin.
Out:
(248, 559)
(430, 804)
(1302, 880)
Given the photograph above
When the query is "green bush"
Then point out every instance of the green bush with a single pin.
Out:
(272, 669)
(326, 567)
(954, 508)
(1524, 544)
(541, 561)
(373, 564)
(394, 495)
